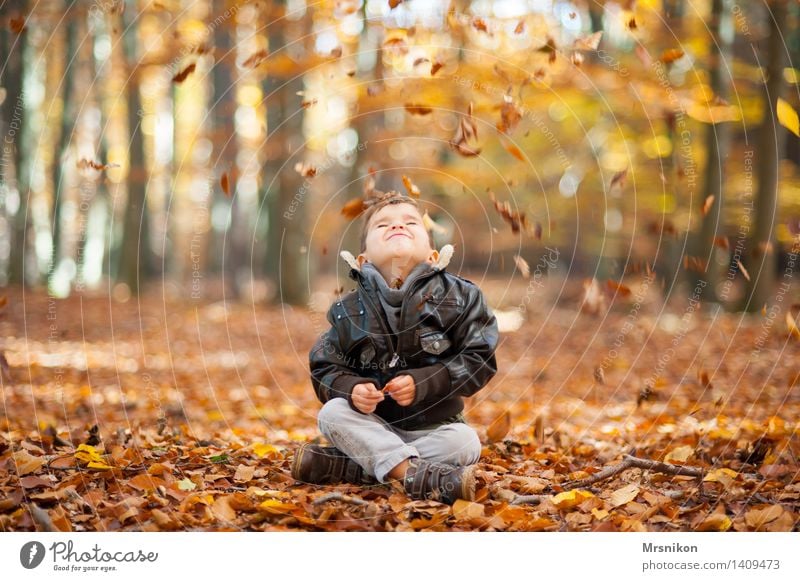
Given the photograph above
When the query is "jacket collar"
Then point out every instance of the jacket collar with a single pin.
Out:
(445, 254)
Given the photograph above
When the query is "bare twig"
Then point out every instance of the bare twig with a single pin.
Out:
(42, 518)
(629, 461)
(339, 496)
(529, 499)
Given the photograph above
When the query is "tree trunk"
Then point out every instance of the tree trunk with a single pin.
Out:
(770, 144)
(287, 245)
(68, 119)
(233, 243)
(717, 146)
(13, 130)
(134, 254)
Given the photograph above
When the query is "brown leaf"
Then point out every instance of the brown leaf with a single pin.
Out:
(520, 27)
(353, 209)
(305, 169)
(184, 74)
(498, 429)
(17, 24)
(395, 3)
(436, 66)
(244, 473)
(256, 59)
(225, 184)
(417, 109)
(618, 181)
(619, 288)
(624, 495)
(90, 164)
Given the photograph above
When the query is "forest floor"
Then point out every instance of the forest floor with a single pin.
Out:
(161, 413)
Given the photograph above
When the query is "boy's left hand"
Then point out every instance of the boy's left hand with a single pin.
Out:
(401, 389)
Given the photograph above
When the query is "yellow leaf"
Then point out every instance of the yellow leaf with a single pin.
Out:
(275, 506)
(679, 455)
(262, 450)
(465, 510)
(98, 466)
(624, 495)
(86, 453)
(787, 117)
(26, 463)
(724, 476)
(571, 498)
(715, 522)
(599, 514)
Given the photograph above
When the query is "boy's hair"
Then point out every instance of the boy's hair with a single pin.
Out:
(390, 199)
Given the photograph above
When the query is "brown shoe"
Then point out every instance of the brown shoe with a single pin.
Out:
(442, 482)
(316, 464)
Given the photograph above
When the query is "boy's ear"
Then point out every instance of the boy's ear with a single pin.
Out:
(361, 259)
(433, 257)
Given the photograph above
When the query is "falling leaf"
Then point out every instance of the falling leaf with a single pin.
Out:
(396, 45)
(256, 59)
(618, 288)
(788, 117)
(522, 265)
(436, 67)
(336, 52)
(709, 201)
(671, 55)
(722, 242)
(308, 103)
(412, 190)
(590, 42)
(498, 429)
(570, 498)
(479, 24)
(90, 164)
(184, 74)
(618, 180)
(420, 60)
(305, 169)
(624, 495)
(353, 208)
(514, 150)
(791, 324)
(510, 116)
(225, 184)
(520, 27)
(17, 24)
(417, 109)
(395, 3)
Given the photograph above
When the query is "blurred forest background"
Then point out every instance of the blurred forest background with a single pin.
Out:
(209, 146)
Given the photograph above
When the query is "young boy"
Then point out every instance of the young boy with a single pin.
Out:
(402, 352)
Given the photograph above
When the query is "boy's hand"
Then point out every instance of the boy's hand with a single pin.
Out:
(402, 389)
(366, 397)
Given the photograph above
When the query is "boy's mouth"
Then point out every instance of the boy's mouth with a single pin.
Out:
(398, 234)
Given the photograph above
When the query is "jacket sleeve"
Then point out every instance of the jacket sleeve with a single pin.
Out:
(471, 368)
(330, 375)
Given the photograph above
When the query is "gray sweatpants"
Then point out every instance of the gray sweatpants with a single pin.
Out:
(378, 447)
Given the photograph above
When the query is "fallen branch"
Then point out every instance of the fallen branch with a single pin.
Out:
(634, 462)
(339, 496)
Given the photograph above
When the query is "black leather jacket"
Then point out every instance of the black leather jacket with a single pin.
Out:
(447, 341)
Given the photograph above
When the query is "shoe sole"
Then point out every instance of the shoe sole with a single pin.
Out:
(468, 482)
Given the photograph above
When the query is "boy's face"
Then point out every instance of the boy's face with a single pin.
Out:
(396, 237)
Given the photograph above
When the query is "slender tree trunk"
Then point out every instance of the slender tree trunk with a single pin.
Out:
(134, 254)
(770, 144)
(13, 131)
(68, 119)
(717, 146)
(234, 240)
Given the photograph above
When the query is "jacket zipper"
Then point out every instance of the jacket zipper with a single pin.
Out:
(376, 314)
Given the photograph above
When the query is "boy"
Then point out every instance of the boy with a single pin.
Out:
(402, 351)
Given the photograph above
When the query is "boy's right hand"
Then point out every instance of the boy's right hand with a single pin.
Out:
(366, 397)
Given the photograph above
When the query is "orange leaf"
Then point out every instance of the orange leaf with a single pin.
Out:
(499, 428)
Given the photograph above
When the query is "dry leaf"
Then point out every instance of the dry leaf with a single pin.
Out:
(498, 429)
(624, 495)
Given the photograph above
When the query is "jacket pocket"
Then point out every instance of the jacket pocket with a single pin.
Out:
(434, 343)
(361, 353)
